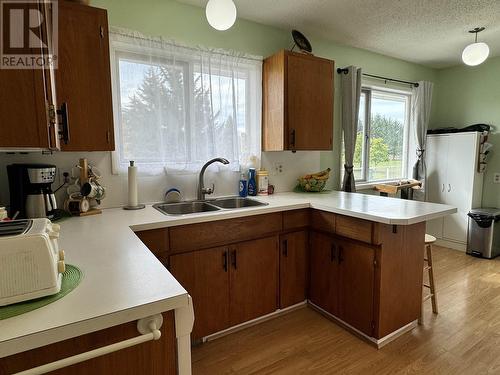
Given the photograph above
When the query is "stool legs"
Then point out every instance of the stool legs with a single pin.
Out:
(432, 285)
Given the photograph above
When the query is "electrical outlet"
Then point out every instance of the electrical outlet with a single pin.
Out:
(496, 178)
(278, 168)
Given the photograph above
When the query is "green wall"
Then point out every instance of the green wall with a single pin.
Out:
(187, 24)
(471, 95)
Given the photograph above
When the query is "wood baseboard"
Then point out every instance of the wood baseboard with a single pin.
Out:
(255, 321)
(378, 343)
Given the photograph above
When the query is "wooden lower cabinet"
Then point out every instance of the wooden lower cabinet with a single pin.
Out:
(229, 285)
(205, 275)
(342, 279)
(152, 358)
(156, 241)
(324, 273)
(254, 279)
(293, 268)
(356, 283)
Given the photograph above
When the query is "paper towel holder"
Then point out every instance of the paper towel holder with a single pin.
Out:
(138, 206)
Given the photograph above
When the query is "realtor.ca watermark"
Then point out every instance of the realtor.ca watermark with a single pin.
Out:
(28, 34)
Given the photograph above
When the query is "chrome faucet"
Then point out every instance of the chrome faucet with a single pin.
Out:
(202, 190)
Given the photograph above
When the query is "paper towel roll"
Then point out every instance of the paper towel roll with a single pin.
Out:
(132, 185)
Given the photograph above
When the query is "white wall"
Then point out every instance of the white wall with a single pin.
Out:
(152, 188)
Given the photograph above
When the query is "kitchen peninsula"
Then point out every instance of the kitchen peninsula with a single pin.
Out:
(356, 258)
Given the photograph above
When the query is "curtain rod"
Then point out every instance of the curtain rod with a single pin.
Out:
(346, 70)
(122, 32)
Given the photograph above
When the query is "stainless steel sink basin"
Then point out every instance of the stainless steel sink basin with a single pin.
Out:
(185, 208)
(236, 202)
(193, 207)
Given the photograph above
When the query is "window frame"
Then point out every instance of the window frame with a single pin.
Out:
(367, 90)
(250, 72)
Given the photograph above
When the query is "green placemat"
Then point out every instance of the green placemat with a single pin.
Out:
(70, 280)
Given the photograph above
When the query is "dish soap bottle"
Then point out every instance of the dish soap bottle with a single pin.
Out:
(252, 183)
(243, 185)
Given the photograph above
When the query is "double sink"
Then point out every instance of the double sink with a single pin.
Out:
(192, 207)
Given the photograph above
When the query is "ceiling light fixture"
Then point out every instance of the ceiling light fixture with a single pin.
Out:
(221, 14)
(475, 53)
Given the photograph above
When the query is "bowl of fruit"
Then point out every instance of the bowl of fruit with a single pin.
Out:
(315, 182)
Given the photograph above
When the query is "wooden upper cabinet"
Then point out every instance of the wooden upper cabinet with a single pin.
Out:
(25, 97)
(23, 109)
(83, 81)
(298, 92)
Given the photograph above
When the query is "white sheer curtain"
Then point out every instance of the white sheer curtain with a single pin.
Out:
(420, 115)
(176, 107)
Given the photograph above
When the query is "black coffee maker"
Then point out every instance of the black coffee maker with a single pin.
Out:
(30, 190)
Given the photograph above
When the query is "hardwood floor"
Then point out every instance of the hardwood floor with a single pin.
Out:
(463, 339)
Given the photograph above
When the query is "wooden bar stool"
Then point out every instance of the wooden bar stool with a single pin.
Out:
(429, 240)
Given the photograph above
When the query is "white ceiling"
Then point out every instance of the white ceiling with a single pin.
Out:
(429, 32)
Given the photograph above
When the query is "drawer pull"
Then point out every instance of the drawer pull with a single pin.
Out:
(224, 260)
(285, 248)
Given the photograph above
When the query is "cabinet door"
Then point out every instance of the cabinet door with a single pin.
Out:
(309, 102)
(462, 156)
(293, 268)
(436, 160)
(23, 119)
(205, 275)
(323, 272)
(356, 274)
(254, 279)
(83, 78)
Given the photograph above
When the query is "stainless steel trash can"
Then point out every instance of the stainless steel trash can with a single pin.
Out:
(483, 235)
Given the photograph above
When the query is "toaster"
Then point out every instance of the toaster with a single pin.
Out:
(31, 264)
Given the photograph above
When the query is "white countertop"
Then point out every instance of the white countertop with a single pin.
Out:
(123, 281)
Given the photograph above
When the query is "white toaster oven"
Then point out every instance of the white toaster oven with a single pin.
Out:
(31, 264)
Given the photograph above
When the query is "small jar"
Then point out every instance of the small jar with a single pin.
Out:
(262, 182)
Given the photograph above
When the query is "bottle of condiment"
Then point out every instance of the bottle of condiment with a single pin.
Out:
(252, 183)
(243, 186)
(262, 182)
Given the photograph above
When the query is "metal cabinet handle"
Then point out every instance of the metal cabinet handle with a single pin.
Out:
(333, 256)
(285, 248)
(224, 260)
(442, 189)
(449, 188)
(233, 259)
(64, 132)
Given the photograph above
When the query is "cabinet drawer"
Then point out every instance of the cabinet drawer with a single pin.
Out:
(214, 233)
(351, 227)
(156, 240)
(296, 219)
(322, 220)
